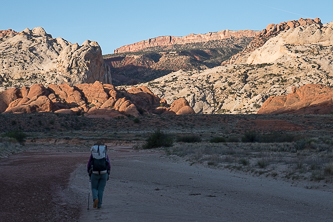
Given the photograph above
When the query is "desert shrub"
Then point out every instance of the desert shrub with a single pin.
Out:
(275, 138)
(18, 135)
(301, 144)
(250, 137)
(158, 139)
(233, 139)
(329, 169)
(244, 162)
(136, 120)
(217, 140)
(262, 163)
(189, 139)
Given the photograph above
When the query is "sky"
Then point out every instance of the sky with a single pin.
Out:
(114, 23)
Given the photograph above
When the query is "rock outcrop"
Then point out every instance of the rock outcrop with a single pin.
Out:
(33, 56)
(160, 58)
(167, 41)
(89, 99)
(295, 57)
(272, 30)
(302, 37)
(308, 99)
(6, 33)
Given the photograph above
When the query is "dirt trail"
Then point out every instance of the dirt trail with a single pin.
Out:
(147, 186)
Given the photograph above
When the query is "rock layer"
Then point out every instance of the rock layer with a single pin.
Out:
(90, 99)
(166, 41)
(33, 56)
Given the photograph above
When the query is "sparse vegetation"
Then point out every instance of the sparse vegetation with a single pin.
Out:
(189, 139)
(158, 139)
(19, 136)
(218, 140)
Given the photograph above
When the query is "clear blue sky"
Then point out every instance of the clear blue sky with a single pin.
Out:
(114, 23)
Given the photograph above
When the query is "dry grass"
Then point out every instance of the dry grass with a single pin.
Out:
(283, 160)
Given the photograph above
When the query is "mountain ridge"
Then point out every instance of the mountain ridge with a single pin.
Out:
(167, 41)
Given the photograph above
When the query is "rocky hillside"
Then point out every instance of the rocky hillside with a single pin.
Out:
(154, 58)
(271, 31)
(295, 57)
(33, 56)
(92, 100)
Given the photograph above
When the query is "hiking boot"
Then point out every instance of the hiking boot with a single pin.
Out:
(95, 203)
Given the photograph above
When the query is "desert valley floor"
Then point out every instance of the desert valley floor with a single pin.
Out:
(45, 179)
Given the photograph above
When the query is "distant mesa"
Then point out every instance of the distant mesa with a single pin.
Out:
(165, 41)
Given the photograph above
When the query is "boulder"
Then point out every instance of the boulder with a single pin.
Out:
(7, 97)
(178, 104)
(36, 90)
(68, 94)
(127, 107)
(41, 104)
(65, 111)
(94, 93)
(308, 99)
(185, 110)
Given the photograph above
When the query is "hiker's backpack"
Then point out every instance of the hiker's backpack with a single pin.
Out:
(99, 160)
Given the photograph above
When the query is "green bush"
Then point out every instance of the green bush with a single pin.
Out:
(136, 120)
(158, 139)
(18, 135)
(217, 140)
(189, 139)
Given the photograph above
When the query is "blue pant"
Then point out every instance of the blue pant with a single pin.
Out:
(98, 183)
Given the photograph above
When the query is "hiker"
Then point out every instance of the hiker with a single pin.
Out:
(98, 168)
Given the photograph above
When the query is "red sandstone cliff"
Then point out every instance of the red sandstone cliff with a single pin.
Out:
(165, 41)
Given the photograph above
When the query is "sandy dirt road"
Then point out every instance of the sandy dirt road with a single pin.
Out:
(148, 186)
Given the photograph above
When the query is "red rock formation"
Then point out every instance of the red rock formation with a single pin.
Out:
(8, 32)
(271, 31)
(165, 41)
(7, 97)
(308, 99)
(181, 107)
(94, 100)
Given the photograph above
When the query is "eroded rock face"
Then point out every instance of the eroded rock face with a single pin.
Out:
(165, 41)
(33, 56)
(6, 33)
(308, 99)
(271, 31)
(91, 99)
